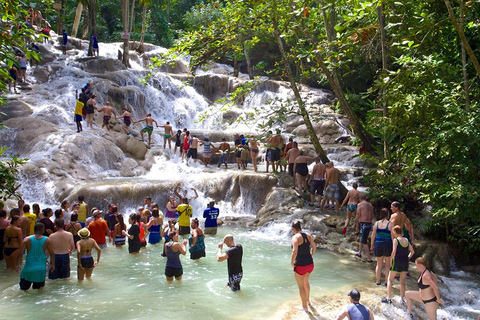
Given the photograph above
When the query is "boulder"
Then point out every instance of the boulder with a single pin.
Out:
(15, 109)
(279, 204)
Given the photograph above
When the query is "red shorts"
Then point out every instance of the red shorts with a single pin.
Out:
(301, 270)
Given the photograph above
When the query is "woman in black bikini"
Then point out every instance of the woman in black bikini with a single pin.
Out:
(73, 227)
(13, 241)
(428, 290)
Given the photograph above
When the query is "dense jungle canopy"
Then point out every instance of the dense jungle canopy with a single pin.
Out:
(405, 73)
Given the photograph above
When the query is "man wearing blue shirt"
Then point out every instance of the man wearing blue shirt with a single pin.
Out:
(211, 214)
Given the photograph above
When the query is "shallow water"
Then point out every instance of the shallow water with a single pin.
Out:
(134, 286)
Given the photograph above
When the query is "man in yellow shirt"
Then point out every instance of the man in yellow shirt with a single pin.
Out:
(82, 211)
(185, 212)
(78, 114)
(32, 218)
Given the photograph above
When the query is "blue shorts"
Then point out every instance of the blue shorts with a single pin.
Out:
(78, 118)
(365, 228)
(62, 267)
(352, 207)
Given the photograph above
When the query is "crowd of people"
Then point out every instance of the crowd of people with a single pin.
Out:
(31, 232)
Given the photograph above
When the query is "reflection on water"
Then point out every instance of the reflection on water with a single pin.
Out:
(134, 287)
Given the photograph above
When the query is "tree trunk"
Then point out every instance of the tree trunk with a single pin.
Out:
(92, 26)
(78, 16)
(125, 19)
(383, 42)
(235, 64)
(466, 89)
(144, 23)
(85, 24)
(469, 50)
(247, 59)
(132, 21)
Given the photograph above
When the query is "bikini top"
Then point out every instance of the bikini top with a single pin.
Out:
(420, 282)
(8, 238)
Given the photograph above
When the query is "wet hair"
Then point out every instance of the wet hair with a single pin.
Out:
(363, 197)
(149, 115)
(14, 219)
(146, 212)
(135, 217)
(384, 213)
(205, 139)
(223, 139)
(26, 208)
(185, 200)
(355, 185)
(58, 213)
(396, 204)
(172, 221)
(398, 230)
(155, 213)
(155, 205)
(195, 220)
(64, 204)
(74, 217)
(317, 159)
(297, 225)
(114, 209)
(46, 211)
(81, 198)
(168, 122)
(36, 208)
(179, 131)
(3, 214)
(121, 222)
(290, 139)
(148, 198)
(59, 223)
(20, 201)
(187, 133)
(422, 261)
(39, 228)
(295, 144)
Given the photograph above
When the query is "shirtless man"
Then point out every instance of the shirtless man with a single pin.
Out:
(399, 218)
(84, 254)
(224, 149)
(353, 198)
(127, 120)
(364, 218)
(192, 151)
(149, 121)
(300, 167)
(107, 114)
(290, 156)
(91, 106)
(184, 195)
(332, 185)
(167, 136)
(63, 246)
(317, 182)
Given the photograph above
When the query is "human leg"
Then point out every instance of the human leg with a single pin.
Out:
(388, 264)
(403, 276)
(378, 269)
(391, 276)
(431, 308)
(412, 295)
(306, 285)
(301, 289)
(80, 273)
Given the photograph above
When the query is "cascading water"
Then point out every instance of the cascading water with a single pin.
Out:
(109, 167)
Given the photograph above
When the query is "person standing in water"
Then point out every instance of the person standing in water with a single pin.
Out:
(12, 238)
(34, 270)
(303, 249)
(82, 211)
(91, 105)
(382, 245)
(149, 121)
(167, 136)
(63, 245)
(196, 241)
(428, 290)
(84, 254)
(211, 214)
(355, 310)
(173, 249)
(233, 256)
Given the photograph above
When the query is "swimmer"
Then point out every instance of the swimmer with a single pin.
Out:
(317, 182)
(149, 121)
(332, 185)
(233, 256)
(12, 238)
(63, 245)
(364, 219)
(303, 249)
(290, 157)
(167, 136)
(254, 150)
(127, 120)
(223, 151)
(353, 198)
(107, 114)
(300, 168)
(428, 290)
(173, 249)
(91, 105)
(196, 241)
(84, 254)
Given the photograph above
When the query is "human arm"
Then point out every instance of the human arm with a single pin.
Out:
(99, 253)
(346, 199)
(294, 250)
(150, 222)
(394, 249)
(374, 234)
(411, 250)
(194, 238)
(176, 191)
(196, 194)
(71, 244)
(430, 279)
(313, 246)
(371, 314)
(155, 122)
(49, 246)
(409, 227)
(182, 247)
(220, 255)
(343, 314)
(143, 119)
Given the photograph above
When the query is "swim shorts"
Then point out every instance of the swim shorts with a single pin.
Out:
(106, 120)
(62, 267)
(148, 129)
(383, 249)
(317, 186)
(173, 272)
(332, 191)
(365, 228)
(301, 270)
(192, 153)
(302, 169)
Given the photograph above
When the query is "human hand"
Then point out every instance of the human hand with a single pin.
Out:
(220, 245)
(95, 264)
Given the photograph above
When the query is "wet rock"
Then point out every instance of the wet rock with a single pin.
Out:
(28, 132)
(438, 254)
(279, 204)
(101, 64)
(334, 221)
(15, 109)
